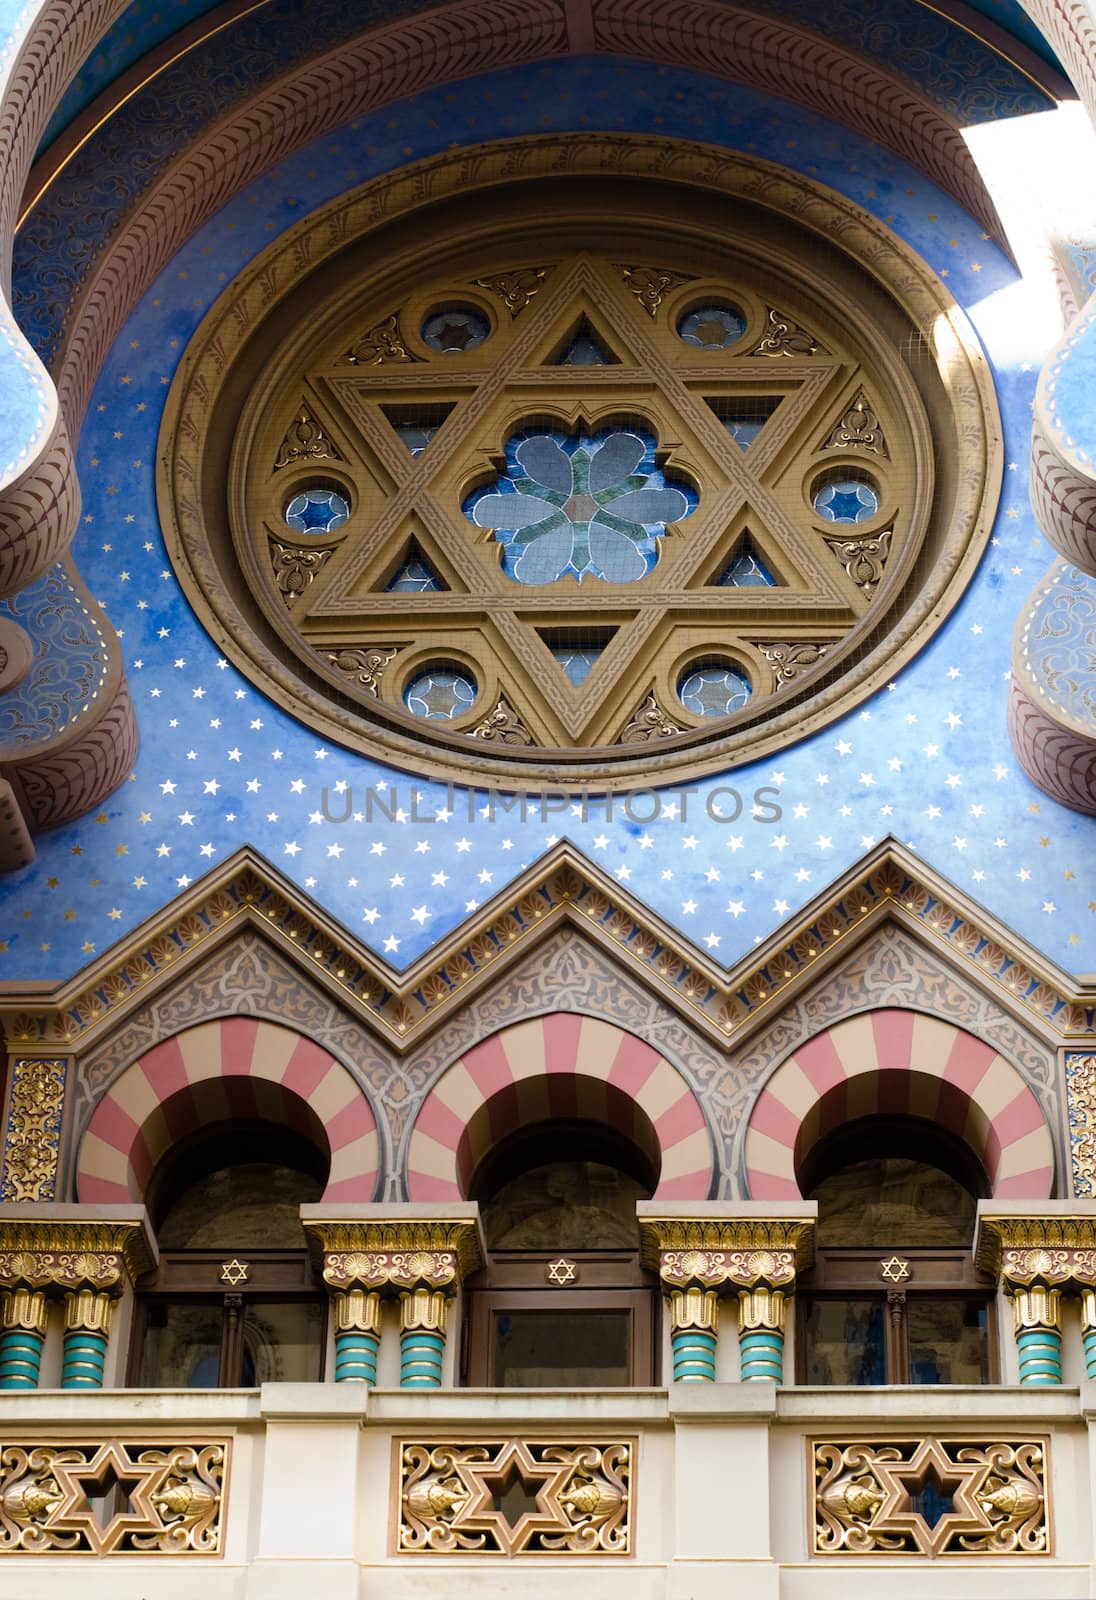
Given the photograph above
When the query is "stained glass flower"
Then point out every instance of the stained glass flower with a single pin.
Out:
(580, 504)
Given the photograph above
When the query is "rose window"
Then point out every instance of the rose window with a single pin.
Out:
(541, 479)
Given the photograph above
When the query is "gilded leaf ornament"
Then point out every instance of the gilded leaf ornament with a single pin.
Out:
(858, 429)
(295, 569)
(650, 284)
(33, 1131)
(786, 337)
(864, 558)
(383, 343)
(305, 439)
(649, 722)
(516, 288)
(364, 666)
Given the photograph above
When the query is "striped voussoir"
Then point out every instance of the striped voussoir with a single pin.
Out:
(232, 1068)
(893, 1062)
(559, 1066)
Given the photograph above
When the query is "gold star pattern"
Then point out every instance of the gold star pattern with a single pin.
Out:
(902, 1482)
(561, 1272)
(895, 1270)
(234, 1271)
(489, 1482)
(84, 1481)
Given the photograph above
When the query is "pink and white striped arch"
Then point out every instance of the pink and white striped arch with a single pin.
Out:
(561, 1065)
(235, 1067)
(899, 1062)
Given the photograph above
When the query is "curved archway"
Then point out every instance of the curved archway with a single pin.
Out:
(235, 1067)
(557, 1066)
(895, 1062)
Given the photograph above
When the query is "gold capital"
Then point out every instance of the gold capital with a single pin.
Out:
(424, 1310)
(88, 1312)
(24, 1309)
(357, 1311)
(761, 1308)
(694, 1308)
(1037, 1307)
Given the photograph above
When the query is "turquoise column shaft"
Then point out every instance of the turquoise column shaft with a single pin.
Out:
(694, 1355)
(762, 1355)
(20, 1359)
(420, 1359)
(1040, 1351)
(84, 1357)
(1090, 1353)
(356, 1357)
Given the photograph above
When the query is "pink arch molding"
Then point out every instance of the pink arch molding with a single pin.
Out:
(893, 1062)
(551, 1067)
(233, 1067)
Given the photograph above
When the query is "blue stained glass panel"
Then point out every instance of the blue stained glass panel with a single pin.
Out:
(713, 691)
(414, 577)
(577, 664)
(585, 350)
(316, 510)
(440, 693)
(580, 504)
(746, 570)
(712, 327)
(846, 499)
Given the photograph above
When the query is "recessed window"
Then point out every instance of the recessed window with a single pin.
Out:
(894, 1296)
(440, 692)
(713, 326)
(713, 689)
(455, 329)
(845, 497)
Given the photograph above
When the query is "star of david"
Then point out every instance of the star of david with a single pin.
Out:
(234, 1271)
(646, 617)
(895, 1270)
(961, 1481)
(81, 1482)
(454, 335)
(562, 1272)
(487, 1481)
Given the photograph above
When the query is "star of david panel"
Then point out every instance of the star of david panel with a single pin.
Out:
(534, 476)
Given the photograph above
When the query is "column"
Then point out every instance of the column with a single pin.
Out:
(22, 1335)
(694, 1328)
(357, 1315)
(411, 1255)
(82, 1256)
(761, 1334)
(423, 1316)
(88, 1316)
(1037, 1321)
(705, 1252)
(1040, 1253)
(1088, 1330)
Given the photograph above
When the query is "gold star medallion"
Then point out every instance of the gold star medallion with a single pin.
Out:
(562, 1271)
(234, 1272)
(895, 1270)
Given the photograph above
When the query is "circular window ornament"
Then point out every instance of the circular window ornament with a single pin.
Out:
(454, 329)
(440, 692)
(843, 496)
(715, 326)
(316, 510)
(713, 689)
(574, 541)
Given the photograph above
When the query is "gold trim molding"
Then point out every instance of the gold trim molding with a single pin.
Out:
(72, 1254)
(399, 1254)
(889, 884)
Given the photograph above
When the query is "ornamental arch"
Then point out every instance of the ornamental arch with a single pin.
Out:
(898, 1062)
(215, 1073)
(561, 1065)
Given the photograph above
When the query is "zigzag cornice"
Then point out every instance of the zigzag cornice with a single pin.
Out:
(562, 888)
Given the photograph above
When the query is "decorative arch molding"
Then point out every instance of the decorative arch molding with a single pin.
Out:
(559, 1065)
(891, 1062)
(233, 1067)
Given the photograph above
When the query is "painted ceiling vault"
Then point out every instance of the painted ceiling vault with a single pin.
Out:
(397, 859)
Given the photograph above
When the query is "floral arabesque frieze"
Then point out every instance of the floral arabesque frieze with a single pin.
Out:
(509, 1497)
(112, 1497)
(931, 1497)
